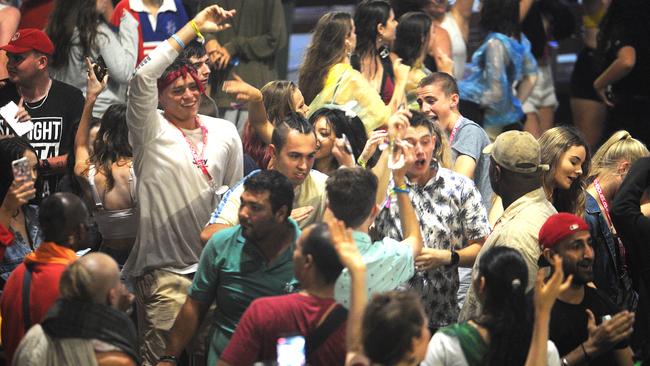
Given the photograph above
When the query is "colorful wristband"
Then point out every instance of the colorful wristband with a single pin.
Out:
(362, 162)
(178, 40)
(401, 189)
(197, 31)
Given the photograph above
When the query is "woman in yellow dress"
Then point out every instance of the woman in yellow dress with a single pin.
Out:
(326, 76)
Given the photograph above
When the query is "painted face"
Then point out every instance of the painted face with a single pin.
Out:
(298, 102)
(388, 33)
(435, 104)
(577, 257)
(256, 215)
(296, 158)
(569, 167)
(424, 143)
(326, 137)
(181, 99)
(23, 67)
(202, 68)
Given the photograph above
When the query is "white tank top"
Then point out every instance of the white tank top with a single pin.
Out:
(458, 46)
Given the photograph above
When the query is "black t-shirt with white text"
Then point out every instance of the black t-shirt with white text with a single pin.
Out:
(55, 118)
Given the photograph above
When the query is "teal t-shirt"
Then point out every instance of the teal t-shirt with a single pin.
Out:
(235, 273)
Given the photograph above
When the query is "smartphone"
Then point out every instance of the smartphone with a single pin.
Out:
(99, 68)
(21, 169)
(291, 350)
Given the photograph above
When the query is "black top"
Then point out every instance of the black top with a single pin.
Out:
(568, 326)
(55, 119)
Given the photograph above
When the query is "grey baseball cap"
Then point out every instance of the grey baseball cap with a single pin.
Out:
(517, 151)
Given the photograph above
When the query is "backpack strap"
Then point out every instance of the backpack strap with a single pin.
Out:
(331, 323)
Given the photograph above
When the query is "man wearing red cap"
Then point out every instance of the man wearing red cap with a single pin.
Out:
(181, 160)
(54, 107)
(586, 326)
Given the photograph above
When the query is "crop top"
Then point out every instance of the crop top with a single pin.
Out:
(114, 224)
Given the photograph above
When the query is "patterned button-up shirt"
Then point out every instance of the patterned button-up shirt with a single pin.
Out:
(451, 215)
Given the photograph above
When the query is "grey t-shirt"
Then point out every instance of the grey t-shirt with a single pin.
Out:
(470, 140)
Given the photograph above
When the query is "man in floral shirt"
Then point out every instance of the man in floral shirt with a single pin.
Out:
(452, 218)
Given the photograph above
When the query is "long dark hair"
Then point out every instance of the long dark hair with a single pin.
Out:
(367, 17)
(11, 148)
(505, 314)
(112, 142)
(327, 48)
(66, 16)
(412, 36)
(342, 124)
(501, 16)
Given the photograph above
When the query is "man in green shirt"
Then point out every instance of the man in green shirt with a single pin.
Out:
(239, 264)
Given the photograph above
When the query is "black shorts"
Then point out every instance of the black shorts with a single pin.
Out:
(585, 72)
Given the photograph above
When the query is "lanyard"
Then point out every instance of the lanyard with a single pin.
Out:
(603, 202)
(452, 135)
(198, 159)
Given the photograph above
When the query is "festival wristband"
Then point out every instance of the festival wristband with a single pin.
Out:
(362, 162)
(198, 33)
(178, 40)
(402, 188)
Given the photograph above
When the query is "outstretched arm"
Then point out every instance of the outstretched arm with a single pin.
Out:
(93, 89)
(257, 117)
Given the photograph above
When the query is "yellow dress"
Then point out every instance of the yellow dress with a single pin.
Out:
(346, 88)
(416, 74)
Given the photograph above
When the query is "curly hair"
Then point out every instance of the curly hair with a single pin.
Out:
(112, 142)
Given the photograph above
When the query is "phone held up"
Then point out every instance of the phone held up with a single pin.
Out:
(291, 350)
(99, 68)
(22, 170)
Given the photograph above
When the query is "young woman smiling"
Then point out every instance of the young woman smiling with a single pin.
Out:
(567, 154)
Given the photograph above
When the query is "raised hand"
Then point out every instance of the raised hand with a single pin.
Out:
(22, 115)
(345, 246)
(94, 87)
(547, 293)
(241, 90)
(401, 71)
(212, 18)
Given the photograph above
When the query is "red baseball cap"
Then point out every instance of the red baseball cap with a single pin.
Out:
(28, 39)
(556, 228)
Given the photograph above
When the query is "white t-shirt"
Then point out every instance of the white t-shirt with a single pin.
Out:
(445, 350)
(175, 198)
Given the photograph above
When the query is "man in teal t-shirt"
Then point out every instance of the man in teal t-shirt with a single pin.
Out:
(240, 264)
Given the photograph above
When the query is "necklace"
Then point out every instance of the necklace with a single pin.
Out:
(47, 94)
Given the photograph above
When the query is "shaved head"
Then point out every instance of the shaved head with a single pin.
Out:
(90, 279)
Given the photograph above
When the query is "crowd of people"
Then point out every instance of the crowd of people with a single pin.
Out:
(403, 203)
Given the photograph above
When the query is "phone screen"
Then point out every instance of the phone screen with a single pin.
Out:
(291, 350)
(21, 168)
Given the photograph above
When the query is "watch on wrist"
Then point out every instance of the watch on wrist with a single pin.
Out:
(455, 258)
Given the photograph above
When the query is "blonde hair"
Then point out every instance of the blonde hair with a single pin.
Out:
(553, 144)
(620, 146)
(278, 99)
(442, 150)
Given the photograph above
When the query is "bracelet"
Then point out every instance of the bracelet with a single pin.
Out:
(587, 357)
(178, 40)
(403, 188)
(197, 31)
(168, 358)
(565, 362)
(362, 162)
